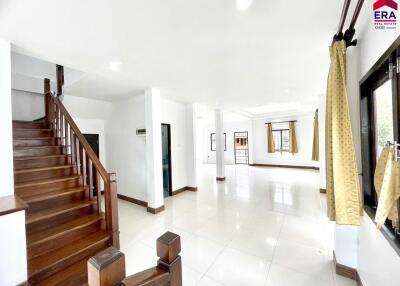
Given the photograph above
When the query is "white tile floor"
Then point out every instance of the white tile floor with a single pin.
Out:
(264, 226)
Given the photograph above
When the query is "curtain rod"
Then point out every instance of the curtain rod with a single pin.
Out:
(281, 122)
(349, 34)
(343, 17)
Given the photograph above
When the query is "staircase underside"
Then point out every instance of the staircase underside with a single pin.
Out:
(64, 228)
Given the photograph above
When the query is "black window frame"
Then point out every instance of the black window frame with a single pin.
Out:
(375, 78)
(281, 137)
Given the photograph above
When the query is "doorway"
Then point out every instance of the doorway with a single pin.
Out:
(166, 159)
(241, 143)
(93, 140)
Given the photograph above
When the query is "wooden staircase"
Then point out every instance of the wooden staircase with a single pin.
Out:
(65, 223)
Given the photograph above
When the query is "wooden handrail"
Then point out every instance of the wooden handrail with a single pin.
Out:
(107, 268)
(82, 140)
(84, 159)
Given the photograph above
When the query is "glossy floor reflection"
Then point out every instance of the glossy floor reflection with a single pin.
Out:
(263, 226)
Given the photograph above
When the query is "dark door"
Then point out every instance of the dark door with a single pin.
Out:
(93, 140)
(166, 159)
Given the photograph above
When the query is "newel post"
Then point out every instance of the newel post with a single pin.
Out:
(168, 249)
(48, 103)
(111, 202)
(106, 268)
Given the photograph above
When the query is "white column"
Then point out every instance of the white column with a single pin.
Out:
(191, 145)
(13, 241)
(220, 144)
(321, 132)
(155, 196)
(251, 144)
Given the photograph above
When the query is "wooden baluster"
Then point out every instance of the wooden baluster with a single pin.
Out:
(111, 201)
(90, 179)
(84, 167)
(57, 122)
(78, 160)
(62, 129)
(73, 149)
(98, 191)
(67, 142)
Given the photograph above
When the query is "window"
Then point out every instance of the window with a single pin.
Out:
(281, 139)
(214, 143)
(383, 115)
(380, 114)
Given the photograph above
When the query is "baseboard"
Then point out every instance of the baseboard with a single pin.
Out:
(285, 166)
(344, 270)
(132, 200)
(221, 179)
(322, 191)
(155, 211)
(184, 189)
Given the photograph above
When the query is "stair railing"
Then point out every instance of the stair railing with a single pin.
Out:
(108, 267)
(82, 156)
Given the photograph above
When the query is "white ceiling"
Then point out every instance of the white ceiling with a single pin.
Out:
(205, 51)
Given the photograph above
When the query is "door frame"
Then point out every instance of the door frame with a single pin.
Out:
(94, 191)
(234, 146)
(169, 157)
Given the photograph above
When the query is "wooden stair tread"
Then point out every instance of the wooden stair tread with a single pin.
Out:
(34, 138)
(73, 275)
(53, 232)
(51, 212)
(33, 198)
(39, 157)
(36, 129)
(27, 170)
(36, 147)
(63, 253)
(45, 181)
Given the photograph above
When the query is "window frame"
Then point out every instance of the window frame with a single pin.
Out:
(281, 137)
(375, 78)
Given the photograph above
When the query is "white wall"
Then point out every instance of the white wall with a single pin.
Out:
(304, 134)
(27, 105)
(377, 261)
(191, 144)
(126, 152)
(174, 113)
(321, 125)
(208, 156)
(87, 108)
(13, 266)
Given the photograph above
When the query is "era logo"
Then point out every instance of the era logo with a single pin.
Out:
(389, 3)
(385, 14)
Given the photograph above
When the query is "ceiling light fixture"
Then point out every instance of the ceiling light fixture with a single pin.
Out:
(243, 5)
(114, 66)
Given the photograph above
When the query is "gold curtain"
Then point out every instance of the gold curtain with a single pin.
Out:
(342, 184)
(387, 186)
(292, 139)
(271, 145)
(315, 145)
